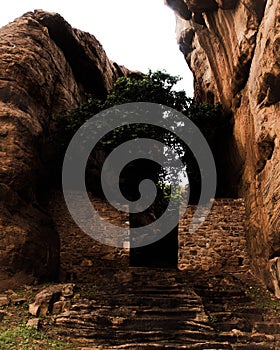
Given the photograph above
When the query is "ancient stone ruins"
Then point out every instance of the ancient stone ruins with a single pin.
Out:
(215, 288)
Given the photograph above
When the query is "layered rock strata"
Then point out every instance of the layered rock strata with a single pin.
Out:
(46, 67)
(232, 47)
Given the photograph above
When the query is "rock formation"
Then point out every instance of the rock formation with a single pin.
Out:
(232, 47)
(46, 67)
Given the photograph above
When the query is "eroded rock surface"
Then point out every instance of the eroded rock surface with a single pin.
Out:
(232, 47)
(51, 299)
(46, 67)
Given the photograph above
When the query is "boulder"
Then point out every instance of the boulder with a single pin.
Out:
(47, 67)
(49, 300)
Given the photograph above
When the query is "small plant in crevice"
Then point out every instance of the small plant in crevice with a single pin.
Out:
(88, 291)
(213, 319)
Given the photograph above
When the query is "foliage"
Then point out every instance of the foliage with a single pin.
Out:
(14, 333)
(165, 196)
(125, 89)
(156, 87)
(28, 338)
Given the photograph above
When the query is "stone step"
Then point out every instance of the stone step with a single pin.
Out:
(157, 291)
(226, 326)
(236, 336)
(232, 300)
(153, 301)
(252, 346)
(118, 337)
(178, 313)
(249, 309)
(167, 346)
(251, 315)
(168, 313)
(272, 318)
(267, 327)
(218, 294)
(133, 324)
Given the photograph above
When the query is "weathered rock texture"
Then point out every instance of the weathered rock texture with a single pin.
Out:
(219, 244)
(46, 67)
(83, 259)
(232, 47)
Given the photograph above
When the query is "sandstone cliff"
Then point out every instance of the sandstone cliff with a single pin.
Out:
(46, 67)
(232, 47)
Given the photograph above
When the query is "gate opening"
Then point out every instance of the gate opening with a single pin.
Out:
(163, 253)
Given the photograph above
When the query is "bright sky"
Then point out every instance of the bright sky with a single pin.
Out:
(139, 34)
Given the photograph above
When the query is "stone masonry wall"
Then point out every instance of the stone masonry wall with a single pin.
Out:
(82, 258)
(219, 243)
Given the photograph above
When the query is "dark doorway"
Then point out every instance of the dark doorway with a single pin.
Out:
(163, 253)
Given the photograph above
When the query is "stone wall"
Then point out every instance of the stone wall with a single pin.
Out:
(219, 243)
(83, 258)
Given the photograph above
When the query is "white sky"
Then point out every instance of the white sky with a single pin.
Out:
(139, 34)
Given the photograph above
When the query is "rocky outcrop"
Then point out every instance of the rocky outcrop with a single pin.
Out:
(46, 67)
(232, 47)
(52, 299)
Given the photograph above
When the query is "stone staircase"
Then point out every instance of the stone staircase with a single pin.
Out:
(167, 309)
(241, 311)
(212, 302)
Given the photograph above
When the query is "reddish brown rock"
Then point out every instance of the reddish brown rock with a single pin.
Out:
(201, 5)
(46, 67)
(234, 54)
(48, 299)
(34, 323)
(180, 7)
(4, 300)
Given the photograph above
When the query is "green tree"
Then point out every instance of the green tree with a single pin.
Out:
(156, 87)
